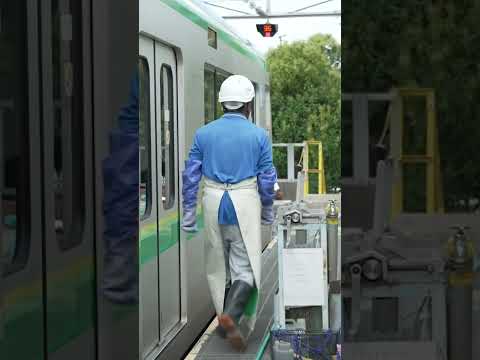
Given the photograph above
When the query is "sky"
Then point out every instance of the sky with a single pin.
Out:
(290, 29)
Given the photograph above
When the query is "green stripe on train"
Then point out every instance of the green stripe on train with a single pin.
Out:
(66, 319)
(169, 233)
(23, 307)
(23, 299)
(22, 314)
(228, 39)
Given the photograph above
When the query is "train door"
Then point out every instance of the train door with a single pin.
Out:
(167, 188)
(149, 266)
(21, 264)
(159, 244)
(46, 234)
(69, 272)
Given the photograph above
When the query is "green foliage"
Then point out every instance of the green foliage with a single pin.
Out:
(305, 93)
(433, 44)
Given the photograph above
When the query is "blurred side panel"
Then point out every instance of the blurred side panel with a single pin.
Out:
(410, 179)
(21, 260)
(115, 54)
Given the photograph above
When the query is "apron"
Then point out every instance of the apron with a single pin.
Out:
(246, 201)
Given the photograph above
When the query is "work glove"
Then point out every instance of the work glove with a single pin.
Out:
(267, 215)
(189, 221)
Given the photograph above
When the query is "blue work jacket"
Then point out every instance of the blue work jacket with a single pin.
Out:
(231, 150)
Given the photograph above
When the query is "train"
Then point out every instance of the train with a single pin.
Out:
(185, 54)
(70, 64)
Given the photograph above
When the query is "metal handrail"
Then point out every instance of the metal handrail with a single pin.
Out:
(304, 164)
(290, 158)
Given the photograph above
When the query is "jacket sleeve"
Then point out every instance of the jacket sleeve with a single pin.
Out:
(267, 174)
(266, 184)
(192, 175)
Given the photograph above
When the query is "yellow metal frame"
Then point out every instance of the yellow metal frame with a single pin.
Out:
(322, 188)
(434, 191)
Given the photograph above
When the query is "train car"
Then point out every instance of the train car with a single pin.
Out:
(65, 74)
(185, 54)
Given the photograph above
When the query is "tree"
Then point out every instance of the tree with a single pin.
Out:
(431, 44)
(306, 98)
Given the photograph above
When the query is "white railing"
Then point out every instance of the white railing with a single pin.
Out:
(290, 158)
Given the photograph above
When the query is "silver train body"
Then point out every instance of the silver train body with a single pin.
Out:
(185, 53)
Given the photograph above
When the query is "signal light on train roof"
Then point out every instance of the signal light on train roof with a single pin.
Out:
(267, 30)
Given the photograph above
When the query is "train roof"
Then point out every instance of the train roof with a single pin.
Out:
(202, 16)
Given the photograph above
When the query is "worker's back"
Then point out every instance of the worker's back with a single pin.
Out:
(233, 149)
(236, 157)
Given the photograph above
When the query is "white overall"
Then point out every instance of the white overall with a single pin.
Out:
(246, 201)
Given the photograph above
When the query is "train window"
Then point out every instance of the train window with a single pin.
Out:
(212, 38)
(209, 94)
(219, 79)
(168, 137)
(14, 141)
(68, 134)
(213, 80)
(145, 139)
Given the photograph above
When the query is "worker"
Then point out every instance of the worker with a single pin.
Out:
(235, 158)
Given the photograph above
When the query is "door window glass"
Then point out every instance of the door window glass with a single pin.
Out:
(145, 139)
(68, 137)
(168, 137)
(14, 139)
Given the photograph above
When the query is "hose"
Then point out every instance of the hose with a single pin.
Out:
(261, 352)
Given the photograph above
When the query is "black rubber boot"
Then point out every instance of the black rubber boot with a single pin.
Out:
(220, 331)
(234, 306)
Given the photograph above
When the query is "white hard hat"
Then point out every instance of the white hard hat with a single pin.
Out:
(235, 91)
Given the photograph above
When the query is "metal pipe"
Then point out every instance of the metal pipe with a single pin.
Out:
(332, 241)
(291, 162)
(461, 253)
